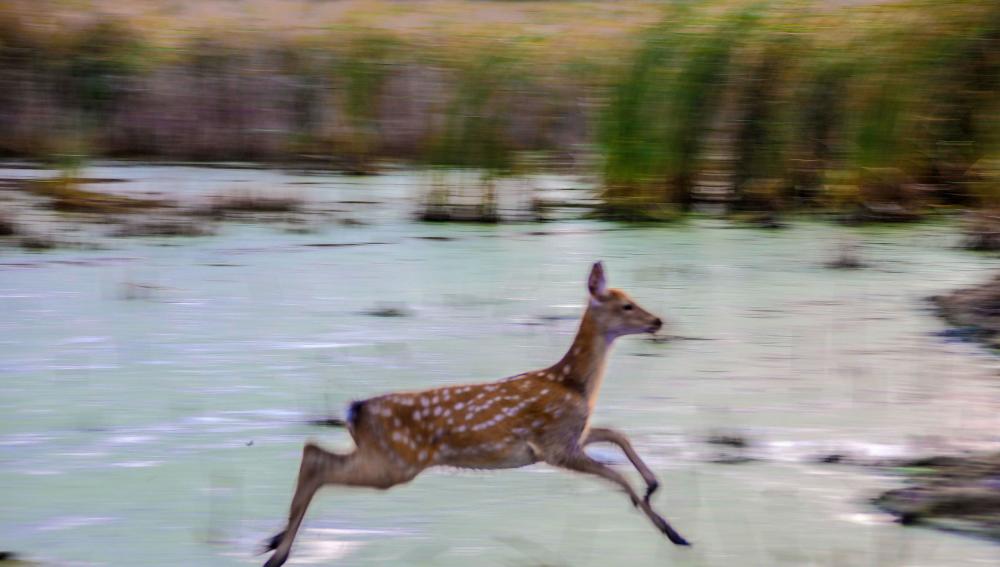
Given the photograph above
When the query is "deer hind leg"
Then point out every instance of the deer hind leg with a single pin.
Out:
(581, 462)
(320, 467)
(604, 435)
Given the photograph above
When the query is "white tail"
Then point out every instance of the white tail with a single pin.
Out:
(536, 416)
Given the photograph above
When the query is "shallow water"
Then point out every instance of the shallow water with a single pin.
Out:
(154, 392)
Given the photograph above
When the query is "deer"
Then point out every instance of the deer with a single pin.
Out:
(538, 416)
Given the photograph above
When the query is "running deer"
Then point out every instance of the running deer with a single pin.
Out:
(542, 415)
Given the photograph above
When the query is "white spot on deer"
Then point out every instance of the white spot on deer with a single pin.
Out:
(544, 391)
(537, 423)
(447, 412)
(422, 455)
(566, 370)
(437, 410)
(424, 401)
(460, 429)
(576, 350)
(396, 422)
(459, 405)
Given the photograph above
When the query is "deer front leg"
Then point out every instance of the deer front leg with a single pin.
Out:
(321, 467)
(605, 435)
(581, 462)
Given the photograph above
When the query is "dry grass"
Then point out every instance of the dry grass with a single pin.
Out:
(66, 195)
(222, 206)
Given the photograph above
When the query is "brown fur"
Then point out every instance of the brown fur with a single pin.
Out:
(541, 415)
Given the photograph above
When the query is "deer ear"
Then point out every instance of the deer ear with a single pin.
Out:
(596, 283)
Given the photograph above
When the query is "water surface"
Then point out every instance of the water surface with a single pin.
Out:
(155, 391)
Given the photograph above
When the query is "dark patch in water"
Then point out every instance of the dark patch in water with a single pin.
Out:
(388, 311)
(20, 265)
(952, 492)
(328, 422)
(565, 232)
(554, 318)
(341, 244)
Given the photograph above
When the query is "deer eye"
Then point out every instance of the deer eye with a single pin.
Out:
(627, 307)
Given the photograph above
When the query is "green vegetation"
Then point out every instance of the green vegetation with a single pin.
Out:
(882, 111)
(364, 70)
(656, 120)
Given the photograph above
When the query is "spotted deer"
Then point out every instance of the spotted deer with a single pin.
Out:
(538, 416)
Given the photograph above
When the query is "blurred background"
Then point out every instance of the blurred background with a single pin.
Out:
(223, 220)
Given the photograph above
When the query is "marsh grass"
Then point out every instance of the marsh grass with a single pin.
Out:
(679, 102)
(787, 112)
(473, 145)
(654, 124)
(247, 202)
(65, 194)
(364, 70)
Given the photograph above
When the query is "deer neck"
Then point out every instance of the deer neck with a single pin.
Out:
(582, 367)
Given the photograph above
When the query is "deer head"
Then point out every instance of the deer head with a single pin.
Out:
(615, 313)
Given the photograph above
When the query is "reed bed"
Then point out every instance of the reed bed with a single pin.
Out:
(883, 110)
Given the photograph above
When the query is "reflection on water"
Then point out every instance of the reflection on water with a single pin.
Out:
(165, 427)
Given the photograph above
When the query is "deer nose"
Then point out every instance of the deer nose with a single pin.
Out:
(657, 324)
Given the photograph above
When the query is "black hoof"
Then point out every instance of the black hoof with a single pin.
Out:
(673, 536)
(676, 539)
(276, 560)
(650, 489)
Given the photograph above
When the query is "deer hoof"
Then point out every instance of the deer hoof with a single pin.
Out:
(277, 560)
(678, 540)
(674, 537)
